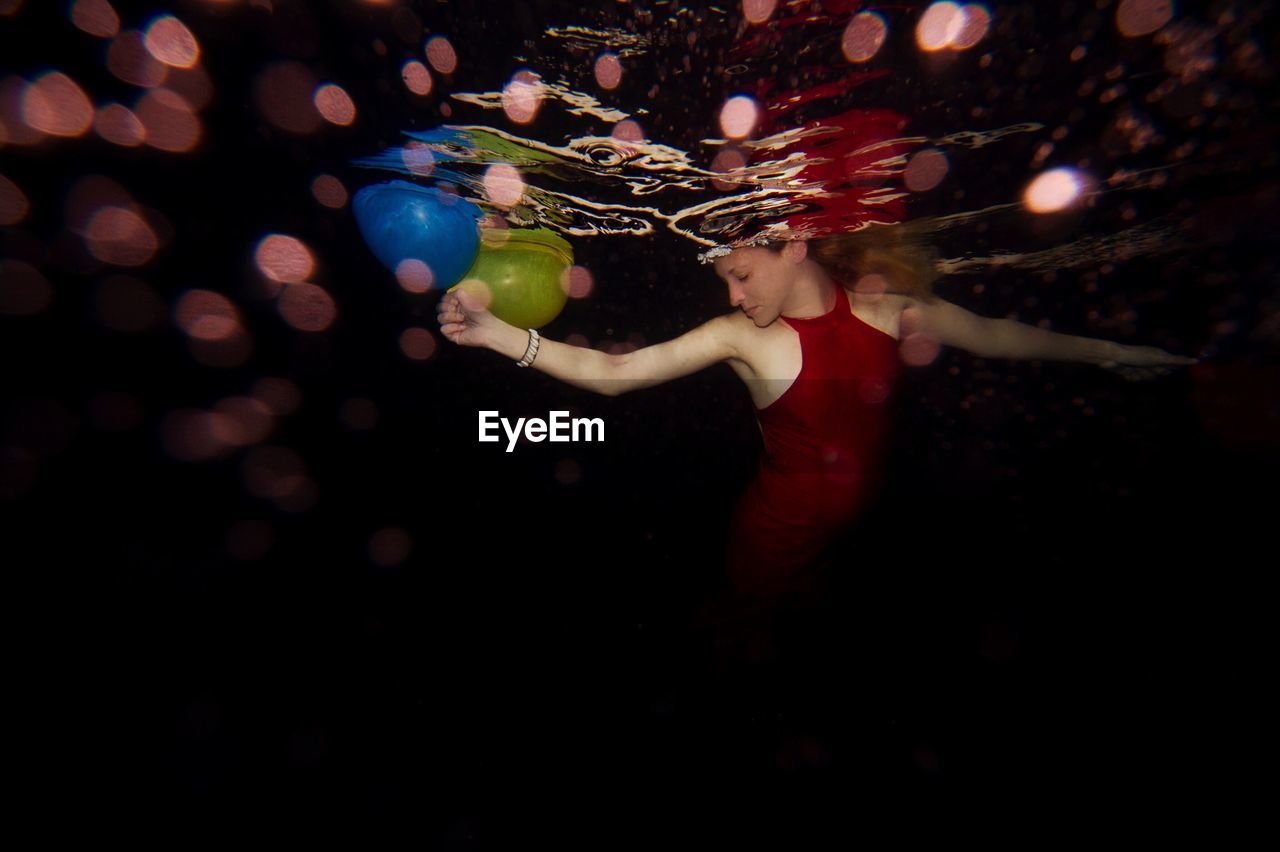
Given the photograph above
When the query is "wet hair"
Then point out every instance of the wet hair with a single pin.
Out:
(907, 262)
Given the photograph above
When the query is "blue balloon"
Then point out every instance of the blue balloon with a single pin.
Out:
(401, 220)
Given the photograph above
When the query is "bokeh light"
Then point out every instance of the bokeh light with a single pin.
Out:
(206, 315)
(758, 11)
(329, 191)
(117, 124)
(1142, 17)
(577, 282)
(916, 347)
(120, 236)
(414, 275)
(417, 343)
(925, 170)
(417, 78)
(335, 105)
(170, 42)
(307, 307)
(130, 61)
(939, 26)
(628, 130)
(726, 161)
(522, 96)
(977, 21)
(88, 195)
(738, 117)
(608, 71)
(13, 202)
(168, 121)
(418, 158)
(54, 104)
(1053, 191)
(14, 130)
(503, 185)
(145, 228)
(863, 36)
(284, 259)
(441, 55)
(95, 17)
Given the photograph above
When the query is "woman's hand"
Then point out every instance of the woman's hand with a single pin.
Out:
(1135, 363)
(465, 319)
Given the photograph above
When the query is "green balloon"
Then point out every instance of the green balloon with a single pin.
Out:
(524, 271)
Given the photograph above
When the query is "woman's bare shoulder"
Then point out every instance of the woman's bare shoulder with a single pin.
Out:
(895, 298)
(737, 328)
(898, 302)
(745, 337)
(887, 305)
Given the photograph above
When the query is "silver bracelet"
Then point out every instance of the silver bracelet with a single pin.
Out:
(531, 351)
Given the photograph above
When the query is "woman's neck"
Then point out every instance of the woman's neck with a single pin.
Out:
(812, 294)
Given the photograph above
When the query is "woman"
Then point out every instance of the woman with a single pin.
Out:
(819, 335)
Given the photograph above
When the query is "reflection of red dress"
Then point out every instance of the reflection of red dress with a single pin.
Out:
(825, 440)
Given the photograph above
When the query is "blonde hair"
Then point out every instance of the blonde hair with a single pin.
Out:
(906, 261)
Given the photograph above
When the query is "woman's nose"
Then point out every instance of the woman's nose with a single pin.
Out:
(736, 296)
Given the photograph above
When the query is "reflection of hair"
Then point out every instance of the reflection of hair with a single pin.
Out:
(907, 262)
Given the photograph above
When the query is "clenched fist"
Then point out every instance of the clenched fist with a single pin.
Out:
(464, 318)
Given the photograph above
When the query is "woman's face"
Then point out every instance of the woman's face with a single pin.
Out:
(759, 280)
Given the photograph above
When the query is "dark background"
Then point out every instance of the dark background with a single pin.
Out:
(1055, 610)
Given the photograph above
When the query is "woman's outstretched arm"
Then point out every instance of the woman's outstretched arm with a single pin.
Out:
(465, 321)
(990, 337)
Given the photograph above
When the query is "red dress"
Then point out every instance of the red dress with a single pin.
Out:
(825, 441)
